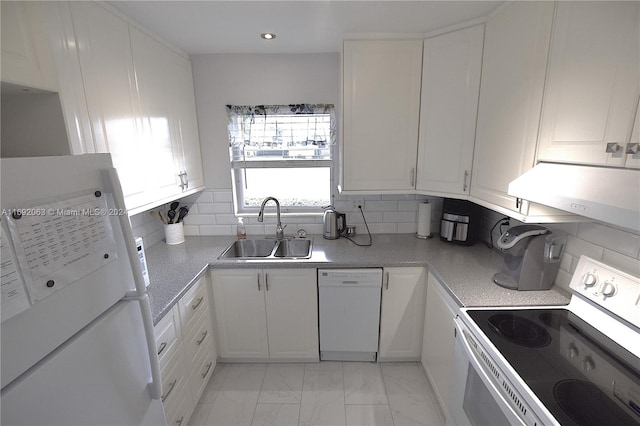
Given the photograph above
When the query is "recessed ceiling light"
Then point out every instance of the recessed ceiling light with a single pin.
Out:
(268, 36)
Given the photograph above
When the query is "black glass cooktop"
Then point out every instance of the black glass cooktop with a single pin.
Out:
(569, 365)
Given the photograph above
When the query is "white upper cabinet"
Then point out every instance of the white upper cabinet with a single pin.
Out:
(104, 49)
(186, 129)
(140, 99)
(450, 87)
(153, 67)
(27, 59)
(381, 112)
(592, 84)
(513, 72)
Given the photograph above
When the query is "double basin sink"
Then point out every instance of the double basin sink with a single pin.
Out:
(263, 249)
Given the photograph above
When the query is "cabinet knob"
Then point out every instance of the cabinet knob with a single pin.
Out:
(613, 147)
(632, 148)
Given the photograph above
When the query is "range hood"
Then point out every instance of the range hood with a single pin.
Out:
(605, 194)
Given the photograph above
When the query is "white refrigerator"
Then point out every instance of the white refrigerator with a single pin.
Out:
(77, 343)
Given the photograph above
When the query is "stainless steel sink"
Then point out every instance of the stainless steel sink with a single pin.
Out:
(249, 248)
(297, 248)
(264, 249)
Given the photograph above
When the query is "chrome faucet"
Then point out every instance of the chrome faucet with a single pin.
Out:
(279, 227)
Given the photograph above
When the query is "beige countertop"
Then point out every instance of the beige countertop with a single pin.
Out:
(464, 271)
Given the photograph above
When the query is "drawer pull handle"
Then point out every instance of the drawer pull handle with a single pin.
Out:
(386, 280)
(179, 422)
(197, 303)
(204, 335)
(208, 368)
(163, 345)
(171, 386)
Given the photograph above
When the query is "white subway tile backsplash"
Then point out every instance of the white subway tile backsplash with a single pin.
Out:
(225, 219)
(578, 247)
(614, 239)
(222, 197)
(208, 208)
(620, 261)
(408, 206)
(217, 230)
(381, 206)
(211, 213)
(203, 219)
(399, 217)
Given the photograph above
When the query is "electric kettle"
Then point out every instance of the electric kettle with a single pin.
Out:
(330, 228)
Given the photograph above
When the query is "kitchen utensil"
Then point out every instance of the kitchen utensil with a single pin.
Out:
(162, 217)
(182, 213)
(331, 230)
(174, 206)
(171, 214)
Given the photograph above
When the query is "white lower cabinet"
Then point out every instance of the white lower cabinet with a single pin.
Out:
(402, 314)
(438, 339)
(186, 351)
(270, 313)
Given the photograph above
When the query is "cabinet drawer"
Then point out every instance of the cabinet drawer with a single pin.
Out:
(181, 407)
(198, 337)
(173, 378)
(196, 300)
(201, 372)
(167, 336)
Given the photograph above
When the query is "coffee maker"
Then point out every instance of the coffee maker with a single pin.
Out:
(532, 257)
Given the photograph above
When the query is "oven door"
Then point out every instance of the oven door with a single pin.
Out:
(473, 398)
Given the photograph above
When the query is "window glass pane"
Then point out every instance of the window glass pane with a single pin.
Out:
(291, 137)
(299, 187)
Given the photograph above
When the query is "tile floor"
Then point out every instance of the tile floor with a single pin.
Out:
(318, 394)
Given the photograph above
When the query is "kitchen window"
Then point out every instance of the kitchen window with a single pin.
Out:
(283, 151)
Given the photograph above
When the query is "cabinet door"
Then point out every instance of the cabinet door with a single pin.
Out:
(186, 123)
(402, 314)
(104, 50)
(513, 71)
(438, 339)
(593, 81)
(240, 313)
(448, 110)
(154, 80)
(292, 313)
(381, 112)
(26, 54)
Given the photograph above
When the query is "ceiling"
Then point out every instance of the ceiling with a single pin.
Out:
(302, 26)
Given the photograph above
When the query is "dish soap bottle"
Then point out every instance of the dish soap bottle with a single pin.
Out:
(241, 232)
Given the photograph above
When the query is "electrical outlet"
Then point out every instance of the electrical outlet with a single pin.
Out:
(357, 202)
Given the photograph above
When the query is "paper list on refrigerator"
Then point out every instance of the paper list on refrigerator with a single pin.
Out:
(14, 295)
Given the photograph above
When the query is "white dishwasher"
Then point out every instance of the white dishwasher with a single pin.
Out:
(349, 307)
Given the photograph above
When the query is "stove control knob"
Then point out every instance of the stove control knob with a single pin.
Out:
(590, 280)
(572, 351)
(588, 364)
(608, 289)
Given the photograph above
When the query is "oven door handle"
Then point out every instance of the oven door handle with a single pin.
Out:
(505, 406)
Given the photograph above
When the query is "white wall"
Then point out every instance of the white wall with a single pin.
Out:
(254, 79)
